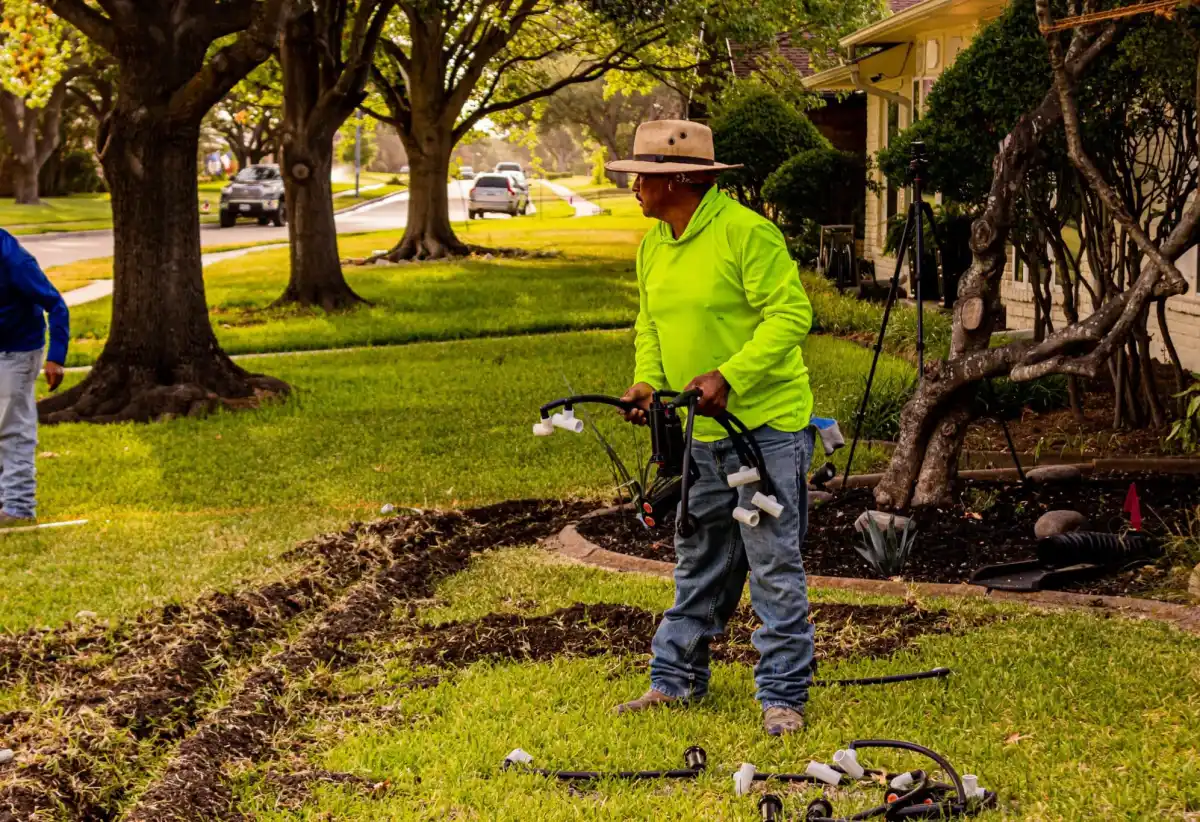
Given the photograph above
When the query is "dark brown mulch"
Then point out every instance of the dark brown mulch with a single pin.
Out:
(986, 523)
(580, 630)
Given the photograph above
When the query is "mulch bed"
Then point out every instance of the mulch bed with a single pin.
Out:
(987, 523)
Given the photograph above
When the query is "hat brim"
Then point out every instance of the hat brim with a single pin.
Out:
(644, 167)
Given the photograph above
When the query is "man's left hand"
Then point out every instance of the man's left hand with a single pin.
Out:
(714, 393)
(54, 374)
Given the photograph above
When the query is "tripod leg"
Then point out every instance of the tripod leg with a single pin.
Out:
(918, 266)
(905, 240)
(1012, 448)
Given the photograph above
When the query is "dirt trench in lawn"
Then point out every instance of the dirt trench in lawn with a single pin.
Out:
(147, 719)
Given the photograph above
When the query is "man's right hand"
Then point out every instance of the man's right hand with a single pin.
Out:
(640, 395)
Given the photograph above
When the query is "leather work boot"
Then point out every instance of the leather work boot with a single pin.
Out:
(779, 721)
(650, 699)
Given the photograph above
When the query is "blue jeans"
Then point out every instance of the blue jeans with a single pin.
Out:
(711, 571)
(18, 432)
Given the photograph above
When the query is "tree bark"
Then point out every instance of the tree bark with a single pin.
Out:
(428, 234)
(161, 358)
(33, 135)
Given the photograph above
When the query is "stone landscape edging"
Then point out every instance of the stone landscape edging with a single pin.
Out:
(572, 545)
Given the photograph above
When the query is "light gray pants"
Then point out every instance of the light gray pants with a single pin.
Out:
(18, 432)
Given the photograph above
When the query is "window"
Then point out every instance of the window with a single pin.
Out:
(1018, 268)
(916, 98)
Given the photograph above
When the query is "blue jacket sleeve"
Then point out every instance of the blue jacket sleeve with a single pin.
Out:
(27, 277)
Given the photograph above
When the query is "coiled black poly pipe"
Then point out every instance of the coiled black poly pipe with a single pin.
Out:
(694, 757)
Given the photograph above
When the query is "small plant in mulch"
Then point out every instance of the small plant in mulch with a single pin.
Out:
(886, 547)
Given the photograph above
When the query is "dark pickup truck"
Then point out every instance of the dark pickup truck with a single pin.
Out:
(255, 191)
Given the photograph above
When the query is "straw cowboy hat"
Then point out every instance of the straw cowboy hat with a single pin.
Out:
(671, 147)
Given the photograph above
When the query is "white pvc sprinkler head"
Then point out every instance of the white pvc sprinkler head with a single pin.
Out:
(971, 786)
(903, 782)
(543, 428)
(743, 779)
(821, 771)
(847, 760)
(767, 504)
(567, 422)
(518, 757)
(743, 476)
(746, 516)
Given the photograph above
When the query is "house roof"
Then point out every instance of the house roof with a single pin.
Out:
(905, 23)
(745, 59)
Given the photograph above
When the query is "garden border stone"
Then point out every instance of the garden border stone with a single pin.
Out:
(572, 545)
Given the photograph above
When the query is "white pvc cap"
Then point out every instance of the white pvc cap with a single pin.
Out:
(746, 516)
(768, 504)
(903, 782)
(847, 760)
(566, 421)
(971, 786)
(518, 757)
(743, 476)
(543, 428)
(821, 771)
(743, 779)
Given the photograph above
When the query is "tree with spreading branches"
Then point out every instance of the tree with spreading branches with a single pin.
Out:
(39, 57)
(934, 422)
(175, 60)
(250, 116)
(445, 66)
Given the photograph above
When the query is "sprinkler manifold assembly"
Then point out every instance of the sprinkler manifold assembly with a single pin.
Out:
(909, 795)
(671, 454)
(694, 759)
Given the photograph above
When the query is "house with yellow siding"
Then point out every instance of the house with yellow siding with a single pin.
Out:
(896, 62)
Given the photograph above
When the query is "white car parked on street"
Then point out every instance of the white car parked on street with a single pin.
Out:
(497, 194)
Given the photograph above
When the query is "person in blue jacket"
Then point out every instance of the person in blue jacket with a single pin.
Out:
(26, 298)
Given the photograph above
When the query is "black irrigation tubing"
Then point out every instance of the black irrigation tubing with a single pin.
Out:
(935, 673)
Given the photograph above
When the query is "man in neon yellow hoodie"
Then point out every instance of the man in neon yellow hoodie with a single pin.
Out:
(723, 311)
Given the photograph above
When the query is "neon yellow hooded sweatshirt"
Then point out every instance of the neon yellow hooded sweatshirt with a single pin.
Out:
(726, 295)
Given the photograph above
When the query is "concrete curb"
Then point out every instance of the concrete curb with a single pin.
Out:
(572, 545)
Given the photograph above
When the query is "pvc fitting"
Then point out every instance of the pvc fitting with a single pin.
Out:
(767, 503)
(903, 782)
(971, 786)
(847, 760)
(746, 516)
(543, 428)
(743, 476)
(566, 421)
(743, 779)
(821, 771)
(517, 757)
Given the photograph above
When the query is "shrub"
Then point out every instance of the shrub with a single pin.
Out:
(844, 315)
(821, 186)
(760, 130)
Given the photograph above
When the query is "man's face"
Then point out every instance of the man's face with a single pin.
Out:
(651, 191)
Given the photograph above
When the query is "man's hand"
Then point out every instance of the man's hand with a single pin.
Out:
(714, 393)
(54, 374)
(640, 395)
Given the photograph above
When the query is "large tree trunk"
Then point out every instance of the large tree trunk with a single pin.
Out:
(161, 357)
(428, 234)
(25, 183)
(316, 275)
(309, 123)
(33, 135)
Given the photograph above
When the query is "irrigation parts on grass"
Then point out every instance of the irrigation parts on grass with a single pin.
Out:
(908, 795)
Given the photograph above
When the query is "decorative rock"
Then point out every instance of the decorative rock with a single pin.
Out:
(1053, 523)
(818, 497)
(883, 520)
(6, 756)
(1194, 584)
(86, 615)
(383, 261)
(388, 509)
(1054, 473)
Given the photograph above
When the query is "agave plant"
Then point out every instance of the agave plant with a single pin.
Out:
(886, 549)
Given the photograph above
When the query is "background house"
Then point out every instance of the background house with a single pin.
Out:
(894, 63)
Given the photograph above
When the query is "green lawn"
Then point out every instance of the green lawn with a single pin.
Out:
(1067, 717)
(590, 286)
(440, 424)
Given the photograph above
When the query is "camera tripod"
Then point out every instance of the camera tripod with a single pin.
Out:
(912, 241)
